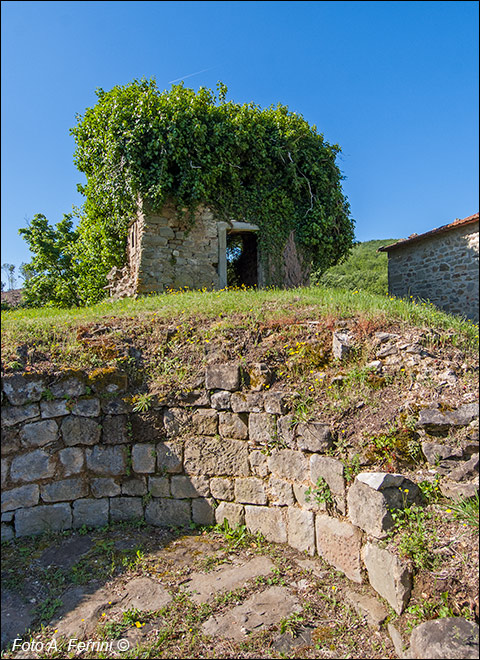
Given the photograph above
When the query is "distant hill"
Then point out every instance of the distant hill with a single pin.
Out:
(365, 269)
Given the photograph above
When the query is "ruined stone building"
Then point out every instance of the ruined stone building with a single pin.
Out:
(440, 265)
(163, 253)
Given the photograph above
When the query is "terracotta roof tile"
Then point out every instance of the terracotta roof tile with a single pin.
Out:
(415, 238)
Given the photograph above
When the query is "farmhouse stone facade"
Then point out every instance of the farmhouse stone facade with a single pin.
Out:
(440, 265)
(164, 253)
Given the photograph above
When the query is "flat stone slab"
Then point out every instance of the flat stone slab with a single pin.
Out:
(67, 554)
(81, 612)
(204, 586)
(16, 616)
(367, 606)
(261, 610)
(144, 594)
(445, 638)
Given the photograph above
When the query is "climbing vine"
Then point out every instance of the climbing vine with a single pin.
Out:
(266, 166)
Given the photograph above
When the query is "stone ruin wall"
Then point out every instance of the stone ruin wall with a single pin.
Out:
(74, 454)
(442, 268)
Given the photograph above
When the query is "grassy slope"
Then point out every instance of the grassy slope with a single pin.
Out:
(364, 270)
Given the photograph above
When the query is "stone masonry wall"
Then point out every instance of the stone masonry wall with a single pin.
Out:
(75, 453)
(441, 268)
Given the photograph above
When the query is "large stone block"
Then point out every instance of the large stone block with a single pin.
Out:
(91, 513)
(388, 576)
(233, 425)
(170, 457)
(38, 434)
(301, 530)
(47, 518)
(258, 463)
(12, 415)
(106, 460)
(262, 428)
(339, 543)
(116, 430)
(144, 458)
(268, 521)
(176, 421)
(165, 512)
(87, 407)
(286, 426)
(159, 486)
(449, 637)
(280, 492)
(32, 466)
(221, 400)
(313, 436)
(17, 498)
(66, 489)
(222, 377)
(274, 402)
(233, 513)
(289, 464)
(104, 487)
(134, 486)
(183, 487)
(126, 508)
(250, 490)
(68, 386)
(246, 402)
(222, 488)
(23, 388)
(216, 457)
(329, 469)
(205, 422)
(80, 431)
(72, 460)
(57, 408)
(203, 511)
(374, 494)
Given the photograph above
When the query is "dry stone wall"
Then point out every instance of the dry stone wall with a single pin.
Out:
(75, 453)
(442, 268)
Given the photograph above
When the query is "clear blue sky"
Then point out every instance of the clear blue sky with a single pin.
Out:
(395, 84)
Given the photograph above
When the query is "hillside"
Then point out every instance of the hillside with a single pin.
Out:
(256, 393)
(366, 269)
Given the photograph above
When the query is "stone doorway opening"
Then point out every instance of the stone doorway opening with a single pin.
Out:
(242, 259)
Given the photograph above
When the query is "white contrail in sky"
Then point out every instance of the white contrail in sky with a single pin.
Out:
(189, 75)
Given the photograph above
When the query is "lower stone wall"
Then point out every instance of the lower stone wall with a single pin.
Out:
(441, 268)
(76, 453)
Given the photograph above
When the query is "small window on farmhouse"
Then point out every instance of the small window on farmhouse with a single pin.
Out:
(242, 260)
(133, 238)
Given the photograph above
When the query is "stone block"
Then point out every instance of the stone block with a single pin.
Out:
(69, 386)
(115, 406)
(339, 543)
(144, 458)
(221, 400)
(87, 407)
(170, 457)
(342, 343)
(7, 532)
(269, 522)
(46, 518)
(106, 460)
(250, 490)
(259, 376)
(286, 426)
(222, 377)
(23, 388)
(134, 486)
(216, 457)
(50, 409)
(313, 436)
(176, 421)
(390, 578)
(108, 380)
(164, 512)
(115, 430)
(71, 460)
(63, 490)
(274, 402)
(12, 415)
(126, 508)
(280, 492)
(159, 486)
(10, 441)
(38, 434)
(449, 637)
(17, 498)
(258, 463)
(305, 498)
(203, 511)
(32, 466)
(105, 487)
(301, 530)
(329, 469)
(234, 514)
(80, 431)
(5, 465)
(205, 422)
(233, 425)
(246, 402)
(289, 464)
(222, 488)
(183, 487)
(262, 428)
(370, 608)
(373, 494)
(91, 513)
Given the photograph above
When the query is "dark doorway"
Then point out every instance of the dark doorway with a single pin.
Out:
(242, 259)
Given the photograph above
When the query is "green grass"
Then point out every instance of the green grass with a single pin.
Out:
(366, 269)
(56, 327)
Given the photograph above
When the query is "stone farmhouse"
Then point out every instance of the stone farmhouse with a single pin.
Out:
(440, 265)
(164, 254)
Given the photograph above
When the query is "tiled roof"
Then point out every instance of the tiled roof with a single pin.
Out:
(415, 238)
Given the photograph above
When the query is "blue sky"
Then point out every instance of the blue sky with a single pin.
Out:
(395, 84)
